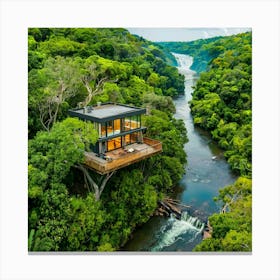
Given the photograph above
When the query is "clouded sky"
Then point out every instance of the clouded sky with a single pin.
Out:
(183, 34)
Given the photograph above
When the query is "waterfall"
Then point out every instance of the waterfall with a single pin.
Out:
(184, 64)
(175, 229)
(194, 221)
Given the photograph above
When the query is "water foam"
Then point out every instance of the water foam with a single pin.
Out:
(184, 64)
(175, 228)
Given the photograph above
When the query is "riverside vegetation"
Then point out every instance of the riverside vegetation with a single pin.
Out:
(222, 104)
(66, 66)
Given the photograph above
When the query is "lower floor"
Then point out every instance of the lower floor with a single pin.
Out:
(119, 158)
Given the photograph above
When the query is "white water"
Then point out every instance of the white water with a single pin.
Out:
(175, 229)
(184, 64)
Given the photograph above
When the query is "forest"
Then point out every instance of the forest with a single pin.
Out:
(222, 105)
(66, 66)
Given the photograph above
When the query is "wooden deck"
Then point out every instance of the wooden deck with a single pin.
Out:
(123, 157)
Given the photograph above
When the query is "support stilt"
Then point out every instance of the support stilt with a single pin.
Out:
(95, 187)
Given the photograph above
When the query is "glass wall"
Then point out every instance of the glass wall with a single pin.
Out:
(117, 126)
(132, 122)
(114, 143)
(114, 128)
(95, 125)
(126, 140)
(120, 125)
(103, 130)
(134, 137)
(111, 128)
(135, 122)
(126, 125)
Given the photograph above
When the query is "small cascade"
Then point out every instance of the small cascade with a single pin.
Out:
(175, 230)
(194, 221)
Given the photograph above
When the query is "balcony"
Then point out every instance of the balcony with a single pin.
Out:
(122, 157)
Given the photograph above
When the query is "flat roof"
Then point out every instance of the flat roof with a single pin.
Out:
(106, 112)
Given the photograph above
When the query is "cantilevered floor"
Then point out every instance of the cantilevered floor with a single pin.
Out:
(123, 157)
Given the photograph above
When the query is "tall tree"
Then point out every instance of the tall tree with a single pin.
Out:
(61, 82)
(93, 76)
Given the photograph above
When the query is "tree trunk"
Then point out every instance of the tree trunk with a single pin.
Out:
(97, 189)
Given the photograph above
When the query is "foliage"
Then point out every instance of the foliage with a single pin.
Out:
(128, 201)
(69, 65)
(86, 225)
(222, 100)
(232, 228)
(50, 90)
(54, 153)
(167, 169)
(51, 156)
(53, 215)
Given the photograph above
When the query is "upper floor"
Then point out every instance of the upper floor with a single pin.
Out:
(111, 120)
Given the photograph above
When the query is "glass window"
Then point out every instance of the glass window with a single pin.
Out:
(117, 126)
(135, 123)
(114, 143)
(134, 137)
(110, 128)
(126, 140)
(103, 130)
(132, 122)
(127, 123)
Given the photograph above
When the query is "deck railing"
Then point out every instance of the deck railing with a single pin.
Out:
(155, 144)
(151, 142)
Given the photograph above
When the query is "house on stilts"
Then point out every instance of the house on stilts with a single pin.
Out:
(121, 139)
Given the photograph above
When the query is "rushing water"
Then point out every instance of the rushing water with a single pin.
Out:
(206, 172)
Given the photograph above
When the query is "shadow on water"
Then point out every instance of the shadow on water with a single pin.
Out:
(206, 172)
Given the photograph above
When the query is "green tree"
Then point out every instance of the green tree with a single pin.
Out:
(56, 152)
(87, 222)
(52, 87)
(51, 156)
(53, 219)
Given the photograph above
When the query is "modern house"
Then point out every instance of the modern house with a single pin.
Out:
(121, 141)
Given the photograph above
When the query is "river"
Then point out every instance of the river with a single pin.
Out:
(206, 172)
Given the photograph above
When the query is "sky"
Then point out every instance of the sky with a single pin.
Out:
(183, 34)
